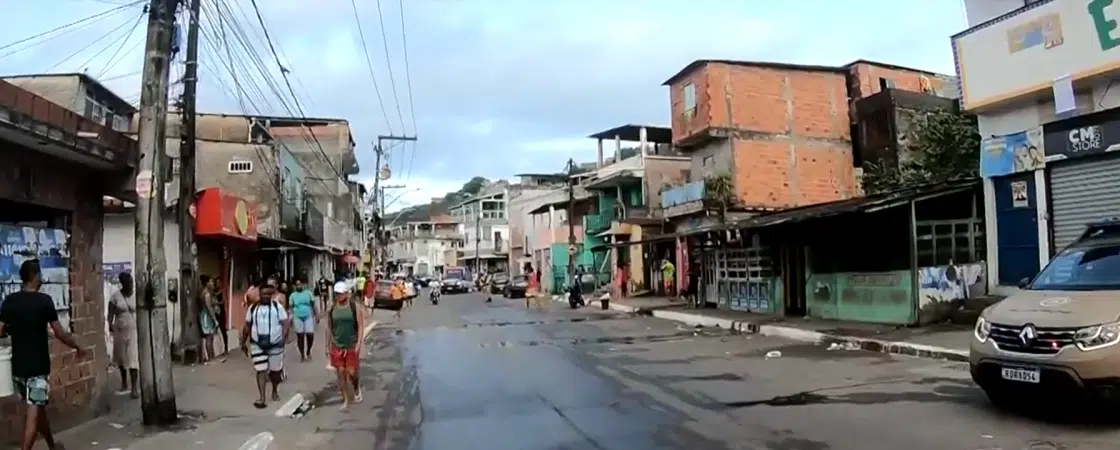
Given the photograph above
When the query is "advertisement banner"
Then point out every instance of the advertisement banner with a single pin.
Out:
(1013, 153)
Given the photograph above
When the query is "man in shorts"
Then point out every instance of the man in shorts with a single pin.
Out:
(25, 317)
(263, 337)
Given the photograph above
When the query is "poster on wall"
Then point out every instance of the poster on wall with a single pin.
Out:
(50, 247)
(1019, 196)
(1012, 153)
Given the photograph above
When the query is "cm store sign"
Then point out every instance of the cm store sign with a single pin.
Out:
(1082, 141)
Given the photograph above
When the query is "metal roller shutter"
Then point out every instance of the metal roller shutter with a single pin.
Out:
(1081, 193)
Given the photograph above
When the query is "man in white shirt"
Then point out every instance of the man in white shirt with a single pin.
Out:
(262, 339)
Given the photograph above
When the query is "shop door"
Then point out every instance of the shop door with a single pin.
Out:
(793, 280)
(1081, 193)
(708, 279)
(1016, 227)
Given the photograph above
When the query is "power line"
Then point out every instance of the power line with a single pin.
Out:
(112, 61)
(284, 74)
(91, 20)
(123, 40)
(408, 82)
(369, 64)
(389, 64)
(91, 44)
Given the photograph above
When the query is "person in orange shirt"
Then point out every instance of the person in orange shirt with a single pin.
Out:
(397, 292)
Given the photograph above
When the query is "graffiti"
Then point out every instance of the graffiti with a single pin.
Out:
(823, 292)
(950, 284)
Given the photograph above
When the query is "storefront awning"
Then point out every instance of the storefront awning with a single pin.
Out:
(268, 243)
(218, 213)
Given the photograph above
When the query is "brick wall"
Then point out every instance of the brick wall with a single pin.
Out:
(865, 80)
(78, 384)
(791, 143)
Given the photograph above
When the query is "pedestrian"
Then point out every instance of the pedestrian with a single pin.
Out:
(304, 318)
(694, 284)
(323, 291)
(397, 293)
(122, 326)
(262, 339)
(25, 317)
(487, 281)
(368, 289)
(533, 292)
(344, 336)
(220, 311)
(668, 272)
(207, 318)
(621, 275)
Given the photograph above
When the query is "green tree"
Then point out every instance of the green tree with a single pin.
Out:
(943, 147)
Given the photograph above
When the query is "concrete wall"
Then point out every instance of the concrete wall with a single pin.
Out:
(66, 92)
(662, 172)
(261, 186)
(119, 246)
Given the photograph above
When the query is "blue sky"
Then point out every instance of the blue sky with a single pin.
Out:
(498, 87)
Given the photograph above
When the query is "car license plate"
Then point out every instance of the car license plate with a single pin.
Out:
(1021, 375)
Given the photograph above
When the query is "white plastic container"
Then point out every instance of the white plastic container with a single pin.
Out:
(6, 386)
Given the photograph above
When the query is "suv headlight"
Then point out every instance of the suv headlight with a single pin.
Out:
(1098, 336)
(983, 329)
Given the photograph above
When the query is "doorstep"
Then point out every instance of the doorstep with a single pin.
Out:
(948, 342)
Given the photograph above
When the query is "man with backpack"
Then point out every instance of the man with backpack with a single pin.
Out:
(344, 338)
(263, 337)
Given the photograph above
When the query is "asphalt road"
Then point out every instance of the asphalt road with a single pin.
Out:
(469, 375)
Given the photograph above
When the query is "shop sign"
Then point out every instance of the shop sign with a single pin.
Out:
(1064, 143)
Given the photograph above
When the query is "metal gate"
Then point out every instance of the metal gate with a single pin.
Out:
(1081, 193)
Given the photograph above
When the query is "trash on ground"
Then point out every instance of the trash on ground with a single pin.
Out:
(258, 442)
(848, 346)
(773, 354)
(290, 407)
(116, 425)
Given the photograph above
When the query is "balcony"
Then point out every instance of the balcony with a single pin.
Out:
(1017, 56)
(316, 229)
(682, 200)
(597, 223)
(292, 220)
(37, 123)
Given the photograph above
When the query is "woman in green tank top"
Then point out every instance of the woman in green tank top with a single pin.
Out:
(344, 335)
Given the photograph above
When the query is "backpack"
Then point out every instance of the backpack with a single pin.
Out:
(263, 340)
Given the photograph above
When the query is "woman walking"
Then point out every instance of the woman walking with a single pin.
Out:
(122, 325)
(344, 334)
(207, 318)
(533, 292)
(304, 318)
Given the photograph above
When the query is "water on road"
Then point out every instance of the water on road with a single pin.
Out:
(470, 375)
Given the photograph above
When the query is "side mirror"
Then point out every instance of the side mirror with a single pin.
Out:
(1024, 283)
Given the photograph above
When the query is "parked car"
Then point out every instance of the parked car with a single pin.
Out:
(424, 281)
(516, 287)
(1058, 334)
(383, 296)
(498, 283)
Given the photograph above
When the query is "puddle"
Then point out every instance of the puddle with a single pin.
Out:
(617, 340)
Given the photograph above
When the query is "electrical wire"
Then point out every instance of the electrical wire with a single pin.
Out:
(112, 61)
(408, 84)
(87, 47)
(389, 64)
(123, 39)
(84, 22)
(369, 64)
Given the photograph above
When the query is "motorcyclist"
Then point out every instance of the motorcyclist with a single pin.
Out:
(434, 290)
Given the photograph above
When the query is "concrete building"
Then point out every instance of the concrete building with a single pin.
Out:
(421, 247)
(1039, 76)
(484, 224)
(525, 232)
(55, 166)
(81, 94)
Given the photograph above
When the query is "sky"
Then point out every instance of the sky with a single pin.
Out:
(497, 87)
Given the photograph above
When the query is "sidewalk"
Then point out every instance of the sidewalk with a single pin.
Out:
(949, 342)
(216, 411)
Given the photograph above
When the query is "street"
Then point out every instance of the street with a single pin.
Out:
(468, 375)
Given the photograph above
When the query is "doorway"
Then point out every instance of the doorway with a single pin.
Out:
(793, 280)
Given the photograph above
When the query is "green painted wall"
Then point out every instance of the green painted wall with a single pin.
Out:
(879, 297)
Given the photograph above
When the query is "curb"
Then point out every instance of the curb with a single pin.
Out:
(815, 337)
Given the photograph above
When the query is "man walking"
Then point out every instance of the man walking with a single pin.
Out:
(262, 339)
(25, 317)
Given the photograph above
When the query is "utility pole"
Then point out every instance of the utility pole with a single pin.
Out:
(380, 150)
(157, 392)
(571, 222)
(190, 339)
(376, 256)
(382, 244)
(477, 238)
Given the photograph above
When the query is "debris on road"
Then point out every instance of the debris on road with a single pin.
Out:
(848, 346)
(773, 354)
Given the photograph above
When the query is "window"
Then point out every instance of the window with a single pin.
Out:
(886, 83)
(688, 91)
(121, 123)
(949, 242)
(175, 165)
(240, 167)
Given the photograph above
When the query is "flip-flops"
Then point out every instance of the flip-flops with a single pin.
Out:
(260, 405)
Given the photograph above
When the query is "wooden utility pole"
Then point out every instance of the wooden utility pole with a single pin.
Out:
(157, 391)
(571, 222)
(477, 239)
(190, 340)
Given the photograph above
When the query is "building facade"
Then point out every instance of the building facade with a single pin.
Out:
(55, 166)
(1048, 129)
(526, 245)
(421, 248)
(484, 224)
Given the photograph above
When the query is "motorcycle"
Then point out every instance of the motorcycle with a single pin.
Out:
(575, 296)
(434, 296)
